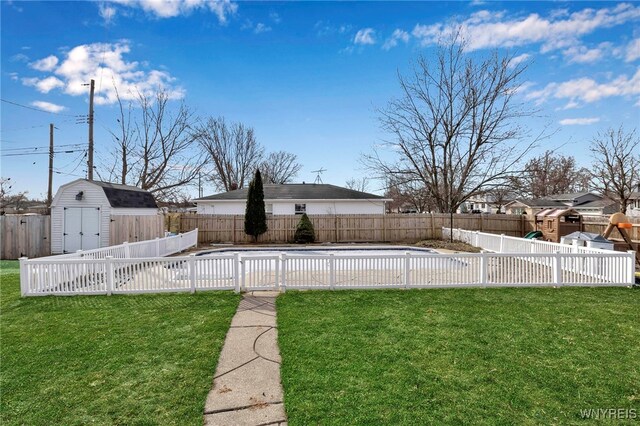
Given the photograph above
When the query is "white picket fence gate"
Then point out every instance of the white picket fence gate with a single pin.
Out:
(233, 271)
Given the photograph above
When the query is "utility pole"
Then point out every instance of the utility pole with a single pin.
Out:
(50, 189)
(199, 185)
(90, 156)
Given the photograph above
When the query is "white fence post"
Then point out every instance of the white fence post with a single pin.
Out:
(192, 271)
(407, 265)
(332, 272)
(109, 267)
(127, 250)
(24, 276)
(236, 272)
(501, 243)
(477, 242)
(632, 266)
(243, 276)
(484, 263)
(557, 268)
(196, 232)
(180, 243)
(157, 247)
(283, 263)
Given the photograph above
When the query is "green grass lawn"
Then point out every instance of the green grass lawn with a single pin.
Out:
(134, 360)
(459, 356)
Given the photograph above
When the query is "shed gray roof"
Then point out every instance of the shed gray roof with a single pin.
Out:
(586, 236)
(298, 191)
(126, 196)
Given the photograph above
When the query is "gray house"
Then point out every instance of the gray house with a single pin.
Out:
(296, 198)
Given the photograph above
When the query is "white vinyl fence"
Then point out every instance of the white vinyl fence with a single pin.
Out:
(90, 271)
(323, 271)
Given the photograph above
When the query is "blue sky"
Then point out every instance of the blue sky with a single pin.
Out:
(306, 76)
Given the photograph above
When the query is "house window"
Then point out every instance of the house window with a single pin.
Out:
(301, 208)
(268, 208)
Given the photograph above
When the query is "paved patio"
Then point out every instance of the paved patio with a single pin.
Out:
(246, 386)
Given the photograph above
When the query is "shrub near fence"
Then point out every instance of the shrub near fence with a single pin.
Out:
(350, 228)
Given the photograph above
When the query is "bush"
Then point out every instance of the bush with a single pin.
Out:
(304, 231)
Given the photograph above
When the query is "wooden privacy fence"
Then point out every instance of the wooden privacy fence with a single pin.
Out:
(25, 235)
(350, 228)
(135, 228)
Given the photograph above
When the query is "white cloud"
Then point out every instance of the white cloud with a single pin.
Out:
(586, 90)
(583, 55)
(485, 29)
(261, 28)
(48, 106)
(107, 12)
(19, 57)
(45, 64)
(633, 50)
(398, 35)
(13, 76)
(365, 36)
(105, 63)
(172, 8)
(579, 121)
(275, 17)
(44, 85)
(518, 60)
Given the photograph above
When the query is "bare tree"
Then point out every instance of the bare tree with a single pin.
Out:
(616, 164)
(279, 167)
(408, 194)
(156, 148)
(358, 184)
(233, 150)
(501, 195)
(549, 174)
(455, 128)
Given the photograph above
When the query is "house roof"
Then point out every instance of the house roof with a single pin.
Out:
(570, 196)
(126, 196)
(298, 191)
(602, 202)
(539, 202)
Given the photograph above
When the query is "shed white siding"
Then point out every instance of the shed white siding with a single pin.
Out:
(287, 207)
(93, 196)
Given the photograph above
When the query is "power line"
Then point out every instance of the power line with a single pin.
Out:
(36, 109)
(36, 153)
(41, 147)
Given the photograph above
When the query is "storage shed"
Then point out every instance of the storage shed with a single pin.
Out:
(555, 223)
(81, 212)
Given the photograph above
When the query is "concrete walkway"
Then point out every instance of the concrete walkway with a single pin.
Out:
(246, 386)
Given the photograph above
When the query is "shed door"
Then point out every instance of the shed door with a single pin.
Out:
(81, 229)
(90, 228)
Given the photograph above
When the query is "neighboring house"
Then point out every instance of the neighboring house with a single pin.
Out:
(81, 212)
(633, 209)
(601, 207)
(481, 204)
(296, 198)
(532, 206)
(575, 198)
